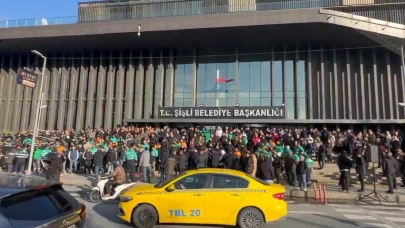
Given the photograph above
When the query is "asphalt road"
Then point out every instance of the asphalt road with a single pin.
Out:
(300, 215)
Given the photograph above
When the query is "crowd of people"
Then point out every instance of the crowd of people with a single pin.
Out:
(272, 155)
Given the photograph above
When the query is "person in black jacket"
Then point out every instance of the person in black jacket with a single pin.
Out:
(277, 164)
(249, 164)
(87, 157)
(202, 159)
(290, 169)
(390, 169)
(98, 162)
(55, 167)
(265, 168)
(321, 155)
(302, 169)
(182, 162)
(360, 168)
(345, 163)
(215, 156)
(111, 157)
(229, 160)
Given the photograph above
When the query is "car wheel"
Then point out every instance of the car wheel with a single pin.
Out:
(144, 216)
(95, 196)
(250, 218)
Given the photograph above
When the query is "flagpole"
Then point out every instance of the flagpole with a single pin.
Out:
(216, 100)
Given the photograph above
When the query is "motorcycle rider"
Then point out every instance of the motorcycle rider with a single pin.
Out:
(116, 178)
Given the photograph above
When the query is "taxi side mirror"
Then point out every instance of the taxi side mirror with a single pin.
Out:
(170, 188)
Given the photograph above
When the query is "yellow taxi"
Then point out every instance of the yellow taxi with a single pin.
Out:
(204, 196)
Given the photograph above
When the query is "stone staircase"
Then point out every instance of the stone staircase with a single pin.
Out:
(330, 175)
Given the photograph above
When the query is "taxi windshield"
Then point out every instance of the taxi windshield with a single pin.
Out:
(165, 182)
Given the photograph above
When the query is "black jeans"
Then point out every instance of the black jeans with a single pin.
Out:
(345, 180)
(321, 161)
(361, 179)
(392, 182)
(291, 175)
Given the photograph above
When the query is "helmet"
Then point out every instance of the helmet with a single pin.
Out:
(116, 163)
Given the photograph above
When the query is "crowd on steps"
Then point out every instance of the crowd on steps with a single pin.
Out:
(273, 155)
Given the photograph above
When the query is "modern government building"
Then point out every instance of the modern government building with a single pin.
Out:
(314, 63)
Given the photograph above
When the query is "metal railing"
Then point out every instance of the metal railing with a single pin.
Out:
(38, 22)
(123, 10)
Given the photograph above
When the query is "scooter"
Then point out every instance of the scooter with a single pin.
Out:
(97, 193)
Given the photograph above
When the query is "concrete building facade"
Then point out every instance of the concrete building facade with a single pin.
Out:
(211, 54)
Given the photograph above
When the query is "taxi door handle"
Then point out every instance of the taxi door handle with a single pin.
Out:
(235, 194)
(197, 194)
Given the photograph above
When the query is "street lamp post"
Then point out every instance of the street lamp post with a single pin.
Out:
(37, 116)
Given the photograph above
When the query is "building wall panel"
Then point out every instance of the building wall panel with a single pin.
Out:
(111, 86)
(18, 98)
(27, 99)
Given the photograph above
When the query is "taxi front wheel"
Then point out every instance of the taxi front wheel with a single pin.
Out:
(144, 216)
(250, 218)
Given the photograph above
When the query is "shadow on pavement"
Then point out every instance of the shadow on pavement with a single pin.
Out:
(109, 211)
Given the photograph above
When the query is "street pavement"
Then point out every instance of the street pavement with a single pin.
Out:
(301, 214)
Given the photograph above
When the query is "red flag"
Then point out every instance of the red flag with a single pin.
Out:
(223, 80)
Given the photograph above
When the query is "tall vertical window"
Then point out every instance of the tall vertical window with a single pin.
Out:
(216, 81)
(167, 87)
(278, 80)
(302, 83)
(183, 83)
(254, 80)
(289, 67)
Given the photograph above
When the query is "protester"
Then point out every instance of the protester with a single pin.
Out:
(267, 153)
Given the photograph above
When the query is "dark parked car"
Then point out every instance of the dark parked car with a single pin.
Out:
(32, 201)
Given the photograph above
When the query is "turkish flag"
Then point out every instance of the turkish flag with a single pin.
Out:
(223, 80)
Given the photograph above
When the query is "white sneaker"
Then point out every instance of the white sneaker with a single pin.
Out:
(305, 189)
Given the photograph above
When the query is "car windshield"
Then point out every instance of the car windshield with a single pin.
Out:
(258, 180)
(165, 182)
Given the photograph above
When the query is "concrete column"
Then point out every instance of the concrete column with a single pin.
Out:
(349, 91)
(389, 80)
(344, 89)
(171, 66)
(309, 68)
(149, 82)
(91, 92)
(74, 76)
(396, 101)
(100, 93)
(44, 111)
(296, 87)
(9, 97)
(194, 68)
(81, 108)
(129, 91)
(381, 84)
(2, 91)
(369, 96)
(335, 80)
(237, 77)
(35, 94)
(285, 77)
(18, 98)
(119, 92)
(25, 115)
(108, 116)
(55, 93)
(375, 76)
(322, 86)
(363, 88)
(139, 84)
(161, 74)
(63, 95)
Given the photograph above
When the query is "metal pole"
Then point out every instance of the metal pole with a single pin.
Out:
(403, 59)
(37, 118)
